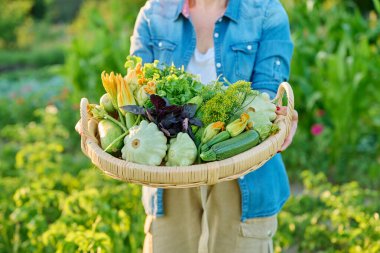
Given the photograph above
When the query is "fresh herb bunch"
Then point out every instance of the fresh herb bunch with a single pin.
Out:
(170, 119)
(223, 104)
(210, 90)
(177, 86)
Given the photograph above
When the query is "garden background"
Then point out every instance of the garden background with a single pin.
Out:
(53, 200)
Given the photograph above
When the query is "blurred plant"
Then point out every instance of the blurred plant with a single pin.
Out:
(13, 14)
(101, 35)
(334, 70)
(328, 218)
(57, 205)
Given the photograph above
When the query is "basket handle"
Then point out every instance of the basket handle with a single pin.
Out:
(82, 126)
(83, 116)
(286, 88)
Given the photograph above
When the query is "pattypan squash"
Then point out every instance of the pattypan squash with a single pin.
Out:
(260, 122)
(145, 144)
(262, 103)
(182, 151)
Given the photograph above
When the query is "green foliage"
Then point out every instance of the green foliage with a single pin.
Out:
(13, 15)
(52, 200)
(330, 218)
(335, 76)
(57, 206)
(101, 42)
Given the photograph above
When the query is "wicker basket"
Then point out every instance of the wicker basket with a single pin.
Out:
(194, 175)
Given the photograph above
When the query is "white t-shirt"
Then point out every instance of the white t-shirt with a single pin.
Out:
(203, 65)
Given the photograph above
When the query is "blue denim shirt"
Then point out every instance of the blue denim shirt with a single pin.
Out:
(252, 42)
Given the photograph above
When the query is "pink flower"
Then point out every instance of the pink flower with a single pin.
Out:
(317, 129)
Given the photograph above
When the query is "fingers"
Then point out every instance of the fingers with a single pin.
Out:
(281, 110)
(285, 145)
(293, 130)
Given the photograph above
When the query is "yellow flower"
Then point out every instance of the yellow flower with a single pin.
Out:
(212, 130)
(124, 93)
(150, 88)
(141, 96)
(132, 79)
(109, 84)
(238, 126)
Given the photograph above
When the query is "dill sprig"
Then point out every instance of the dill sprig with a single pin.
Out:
(223, 104)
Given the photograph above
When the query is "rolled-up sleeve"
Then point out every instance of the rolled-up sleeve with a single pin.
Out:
(140, 40)
(272, 64)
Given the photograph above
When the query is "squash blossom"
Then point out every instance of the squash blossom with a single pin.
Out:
(238, 126)
(212, 130)
(132, 79)
(125, 97)
(142, 94)
(150, 88)
(109, 84)
(124, 93)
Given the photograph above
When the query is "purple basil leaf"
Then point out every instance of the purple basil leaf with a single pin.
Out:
(150, 117)
(173, 108)
(138, 110)
(189, 110)
(195, 122)
(174, 132)
(158, 101)
(168, 121)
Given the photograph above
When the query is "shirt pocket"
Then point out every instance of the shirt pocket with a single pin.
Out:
(245, 55)
(163, 50)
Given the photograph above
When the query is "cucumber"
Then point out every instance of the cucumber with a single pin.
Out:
(231, 147)
(222, 136)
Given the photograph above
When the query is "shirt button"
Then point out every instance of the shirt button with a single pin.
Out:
(270, 233)
(218, 65)
(249, 47)
(216, 35)
(160, 44)
(220, 19)
(242, 177)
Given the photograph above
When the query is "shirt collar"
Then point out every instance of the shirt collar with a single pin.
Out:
(232, 10)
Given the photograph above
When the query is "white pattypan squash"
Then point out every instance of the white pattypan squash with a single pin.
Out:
(262, 103)
(145, 144)
(182, 151)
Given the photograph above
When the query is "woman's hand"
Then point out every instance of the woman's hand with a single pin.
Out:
(282, 110)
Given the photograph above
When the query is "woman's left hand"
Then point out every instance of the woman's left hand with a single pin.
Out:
(282, 110)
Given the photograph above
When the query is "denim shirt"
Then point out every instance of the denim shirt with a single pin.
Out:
(251, 42)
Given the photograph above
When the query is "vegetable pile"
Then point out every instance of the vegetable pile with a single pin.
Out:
(162, 115)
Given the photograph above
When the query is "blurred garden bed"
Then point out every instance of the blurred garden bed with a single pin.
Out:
(53, 200)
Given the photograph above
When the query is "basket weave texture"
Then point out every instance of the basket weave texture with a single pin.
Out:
(193, 175)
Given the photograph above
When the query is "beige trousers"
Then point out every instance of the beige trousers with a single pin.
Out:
(207, 220)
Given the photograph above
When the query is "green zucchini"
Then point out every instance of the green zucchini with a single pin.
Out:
(222, 136)
(231, 147)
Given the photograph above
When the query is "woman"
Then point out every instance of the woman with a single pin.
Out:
(237, 40)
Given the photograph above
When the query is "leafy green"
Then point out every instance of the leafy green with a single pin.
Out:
(177, 85)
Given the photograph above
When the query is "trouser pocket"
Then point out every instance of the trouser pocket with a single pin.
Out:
(256, 235)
